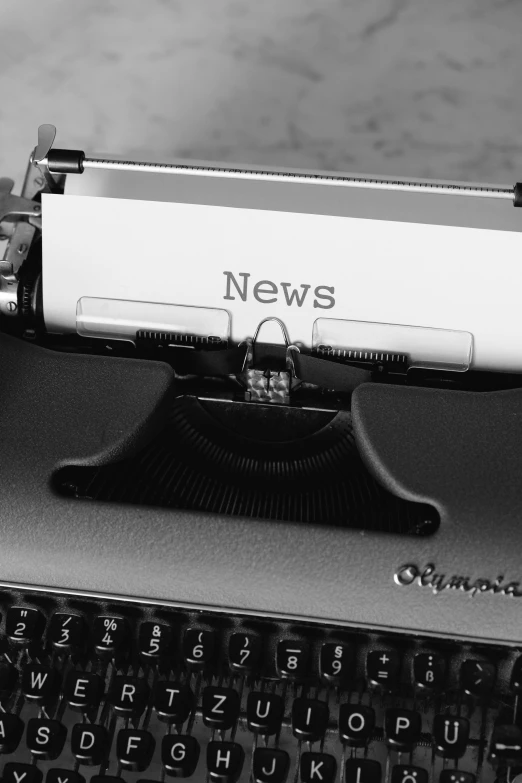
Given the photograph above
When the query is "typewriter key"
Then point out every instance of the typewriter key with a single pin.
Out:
(356, 724)
(363, 771)
(179, 755)
(198, 648)
(11, 730)
(244, 652)
(129, 696)
(24, 626)
(336, 662)
(270, 765)
(456, 776)
(402, 729)
(83, 690)
(67, 632)
(309, 719)
(264, 712)
(154, 641)
(383, 668)
(40, 684)
(292, 659)
(428, 671)
(506, 746)
(225, 761)
(89, 743)
(403, 773)
(477, 677)
(172, 701)
(8, 677)
(106, 779)
(63, 776)
(109, 636)
(220, 707)
(14, 772)
(450, 734)
(45, 738)
(135, 749)
(516, 676)
(318, 768)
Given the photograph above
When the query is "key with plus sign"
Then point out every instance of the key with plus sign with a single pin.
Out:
(383, 668)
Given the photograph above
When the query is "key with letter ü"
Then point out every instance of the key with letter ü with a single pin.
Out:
(450, 734)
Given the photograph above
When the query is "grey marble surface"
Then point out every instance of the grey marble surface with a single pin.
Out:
(393, 87)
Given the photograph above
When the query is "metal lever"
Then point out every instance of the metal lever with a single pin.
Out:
(46, 137)
(40, 155)
(13, 208)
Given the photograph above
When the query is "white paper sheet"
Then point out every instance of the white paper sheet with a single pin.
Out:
(298, 267)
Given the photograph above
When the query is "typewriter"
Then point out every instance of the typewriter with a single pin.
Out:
(232, 557)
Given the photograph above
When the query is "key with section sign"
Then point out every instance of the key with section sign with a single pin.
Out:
(336, 662)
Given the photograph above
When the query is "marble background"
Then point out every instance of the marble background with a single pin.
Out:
(395, 87)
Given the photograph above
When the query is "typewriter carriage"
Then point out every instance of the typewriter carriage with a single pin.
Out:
(278, 401)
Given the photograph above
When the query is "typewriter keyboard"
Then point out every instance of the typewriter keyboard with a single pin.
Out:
(98, 690)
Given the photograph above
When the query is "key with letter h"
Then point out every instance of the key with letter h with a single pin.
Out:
(225, 761)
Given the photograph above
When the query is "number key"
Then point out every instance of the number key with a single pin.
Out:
(244, 651)
(292, 659)
(155, 641)
(66, 631)
(23, 625)
(198, 647)
(109, 635)
(336, 662)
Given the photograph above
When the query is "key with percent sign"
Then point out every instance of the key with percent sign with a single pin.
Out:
(109, 636)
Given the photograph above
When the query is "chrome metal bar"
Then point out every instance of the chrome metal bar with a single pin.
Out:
(407, 186)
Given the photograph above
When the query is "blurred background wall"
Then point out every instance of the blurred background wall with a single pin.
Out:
(395, 87)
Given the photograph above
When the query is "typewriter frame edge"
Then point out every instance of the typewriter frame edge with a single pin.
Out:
(243, 565)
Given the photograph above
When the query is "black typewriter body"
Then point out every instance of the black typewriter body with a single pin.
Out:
(192, 585)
